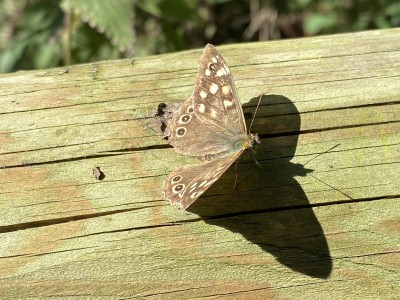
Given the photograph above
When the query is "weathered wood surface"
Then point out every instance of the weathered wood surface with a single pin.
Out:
(319, 220)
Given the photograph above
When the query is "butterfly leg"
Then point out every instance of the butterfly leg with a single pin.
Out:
(236, 173)
(252, 153)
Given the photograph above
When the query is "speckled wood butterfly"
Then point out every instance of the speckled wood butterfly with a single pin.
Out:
(209, 125)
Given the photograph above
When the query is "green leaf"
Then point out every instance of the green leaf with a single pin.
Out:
(393, 9)
(113, 18)
(10, 57)
(46, 56)
(174, 36)
(151, 7)
(36, 26)
(181, 10)
(315, 23)
(177, 10)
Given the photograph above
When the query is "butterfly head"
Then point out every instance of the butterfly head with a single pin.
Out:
(253, 139)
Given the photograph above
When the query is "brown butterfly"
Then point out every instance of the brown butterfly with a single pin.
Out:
(209, 125)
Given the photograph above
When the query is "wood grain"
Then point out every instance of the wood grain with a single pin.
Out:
(319, 220)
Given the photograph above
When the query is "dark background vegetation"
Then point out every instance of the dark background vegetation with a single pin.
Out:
(38, 34)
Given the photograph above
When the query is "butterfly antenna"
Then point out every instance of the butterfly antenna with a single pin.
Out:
(332, 187)
(255, 112)
(326, 151)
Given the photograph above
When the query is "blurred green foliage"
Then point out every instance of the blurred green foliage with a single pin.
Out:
(38, 34)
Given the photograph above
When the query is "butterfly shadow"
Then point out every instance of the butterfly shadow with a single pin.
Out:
(269, 207)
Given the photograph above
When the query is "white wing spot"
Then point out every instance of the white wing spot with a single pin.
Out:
(196, 194)
(203, 94)
(214, 88)
(226, 90)
(203, 183)
(202, 108)
(219, 170)
(226, 69)
(214, 60)
(213, 113)
(221, 72)
(211, 182)
(228, 103)
(207, 72)
(217, 173)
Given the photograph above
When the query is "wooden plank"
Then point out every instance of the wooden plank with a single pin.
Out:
(319, 220)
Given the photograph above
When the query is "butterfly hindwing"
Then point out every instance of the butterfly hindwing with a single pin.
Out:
(191, 136)
(184, 185)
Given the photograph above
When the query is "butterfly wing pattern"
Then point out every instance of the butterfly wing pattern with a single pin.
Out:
(209, 125)
(184, 185)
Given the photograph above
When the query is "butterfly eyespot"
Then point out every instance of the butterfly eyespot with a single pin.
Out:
(211, 66)
(190, 109)
(176, 179)
(178, 188)
(185, 119)
(180, 131)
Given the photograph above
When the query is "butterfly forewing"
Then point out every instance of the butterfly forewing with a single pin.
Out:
(211, 121)
(215, 98)
(186, 184)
